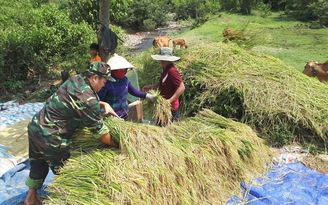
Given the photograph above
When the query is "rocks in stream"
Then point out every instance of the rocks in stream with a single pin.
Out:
(133, 40)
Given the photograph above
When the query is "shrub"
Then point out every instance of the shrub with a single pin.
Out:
(320, 11)
(264, 9)
(38, 40)
(142, 10)
(149, 24)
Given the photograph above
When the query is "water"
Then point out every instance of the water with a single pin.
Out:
(147, 40)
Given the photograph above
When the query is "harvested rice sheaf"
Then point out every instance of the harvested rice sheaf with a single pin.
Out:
(199, 160)
(276, 100)
(159, 109)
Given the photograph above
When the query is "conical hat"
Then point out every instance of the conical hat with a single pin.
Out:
(118, 62)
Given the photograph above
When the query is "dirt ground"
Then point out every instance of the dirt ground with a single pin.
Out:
(15, 138)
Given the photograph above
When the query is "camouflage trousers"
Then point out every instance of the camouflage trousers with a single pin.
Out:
(40, 161)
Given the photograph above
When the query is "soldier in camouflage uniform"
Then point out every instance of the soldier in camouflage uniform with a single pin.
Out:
(51, 129)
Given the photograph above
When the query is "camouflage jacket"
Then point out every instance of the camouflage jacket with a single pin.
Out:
(73, 103)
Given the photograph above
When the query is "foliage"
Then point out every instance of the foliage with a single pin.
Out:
(84, 10)
(242, 6)
(87, 10)
(246, 6)
(304, 10)
(320, 12)
(281, 135)
(138, 11)
(195, 9)
(136, 15)
(35, 39)
(264, 9)
(149, 25)
(276, 5)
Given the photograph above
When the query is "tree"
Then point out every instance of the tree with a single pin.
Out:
(104, 21)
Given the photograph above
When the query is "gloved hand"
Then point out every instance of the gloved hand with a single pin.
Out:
(150, 97)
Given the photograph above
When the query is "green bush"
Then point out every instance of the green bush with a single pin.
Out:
(264, 9)
(84, 11)
(139, 11)
(196, 9)
(320, 12)
(39, 39)
(149, 24)
(129, 14)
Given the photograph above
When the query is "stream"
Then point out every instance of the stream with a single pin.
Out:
(141, 41)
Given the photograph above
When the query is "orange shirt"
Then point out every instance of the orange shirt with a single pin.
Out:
(96, 58)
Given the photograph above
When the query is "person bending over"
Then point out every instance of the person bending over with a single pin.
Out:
(51, 129)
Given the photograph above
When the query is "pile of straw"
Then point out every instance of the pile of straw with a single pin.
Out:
(159, 109)
(278, 101)
(200, 160)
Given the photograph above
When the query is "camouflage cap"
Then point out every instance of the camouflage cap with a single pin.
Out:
(100, 68)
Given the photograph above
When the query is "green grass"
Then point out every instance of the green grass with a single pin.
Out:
(291, 41)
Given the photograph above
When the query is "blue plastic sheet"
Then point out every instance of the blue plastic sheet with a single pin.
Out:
(11, 112)
(12, 184)
(292, 184)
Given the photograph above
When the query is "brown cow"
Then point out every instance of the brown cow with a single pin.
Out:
(161, 41)
(315, 69)
(232, 34)
(179, 42)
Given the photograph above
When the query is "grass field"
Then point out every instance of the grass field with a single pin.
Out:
(291, 41)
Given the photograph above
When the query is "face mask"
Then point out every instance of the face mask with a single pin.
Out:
(119, 73)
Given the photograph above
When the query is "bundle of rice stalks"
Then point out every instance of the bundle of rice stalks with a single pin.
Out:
(159, 109)
(83, 138)
(198, 161)
(280, 102)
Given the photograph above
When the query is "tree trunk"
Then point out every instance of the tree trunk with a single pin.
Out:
(104, 20)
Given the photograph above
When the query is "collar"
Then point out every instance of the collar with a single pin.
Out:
(314, 70)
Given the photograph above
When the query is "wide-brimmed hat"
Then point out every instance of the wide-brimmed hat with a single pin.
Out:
(100, 68)
(165, 54)
(118, 62)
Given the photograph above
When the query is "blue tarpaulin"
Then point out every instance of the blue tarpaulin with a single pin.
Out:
(12, 183)
(15, 170)
(11, 112)
(292, 184)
